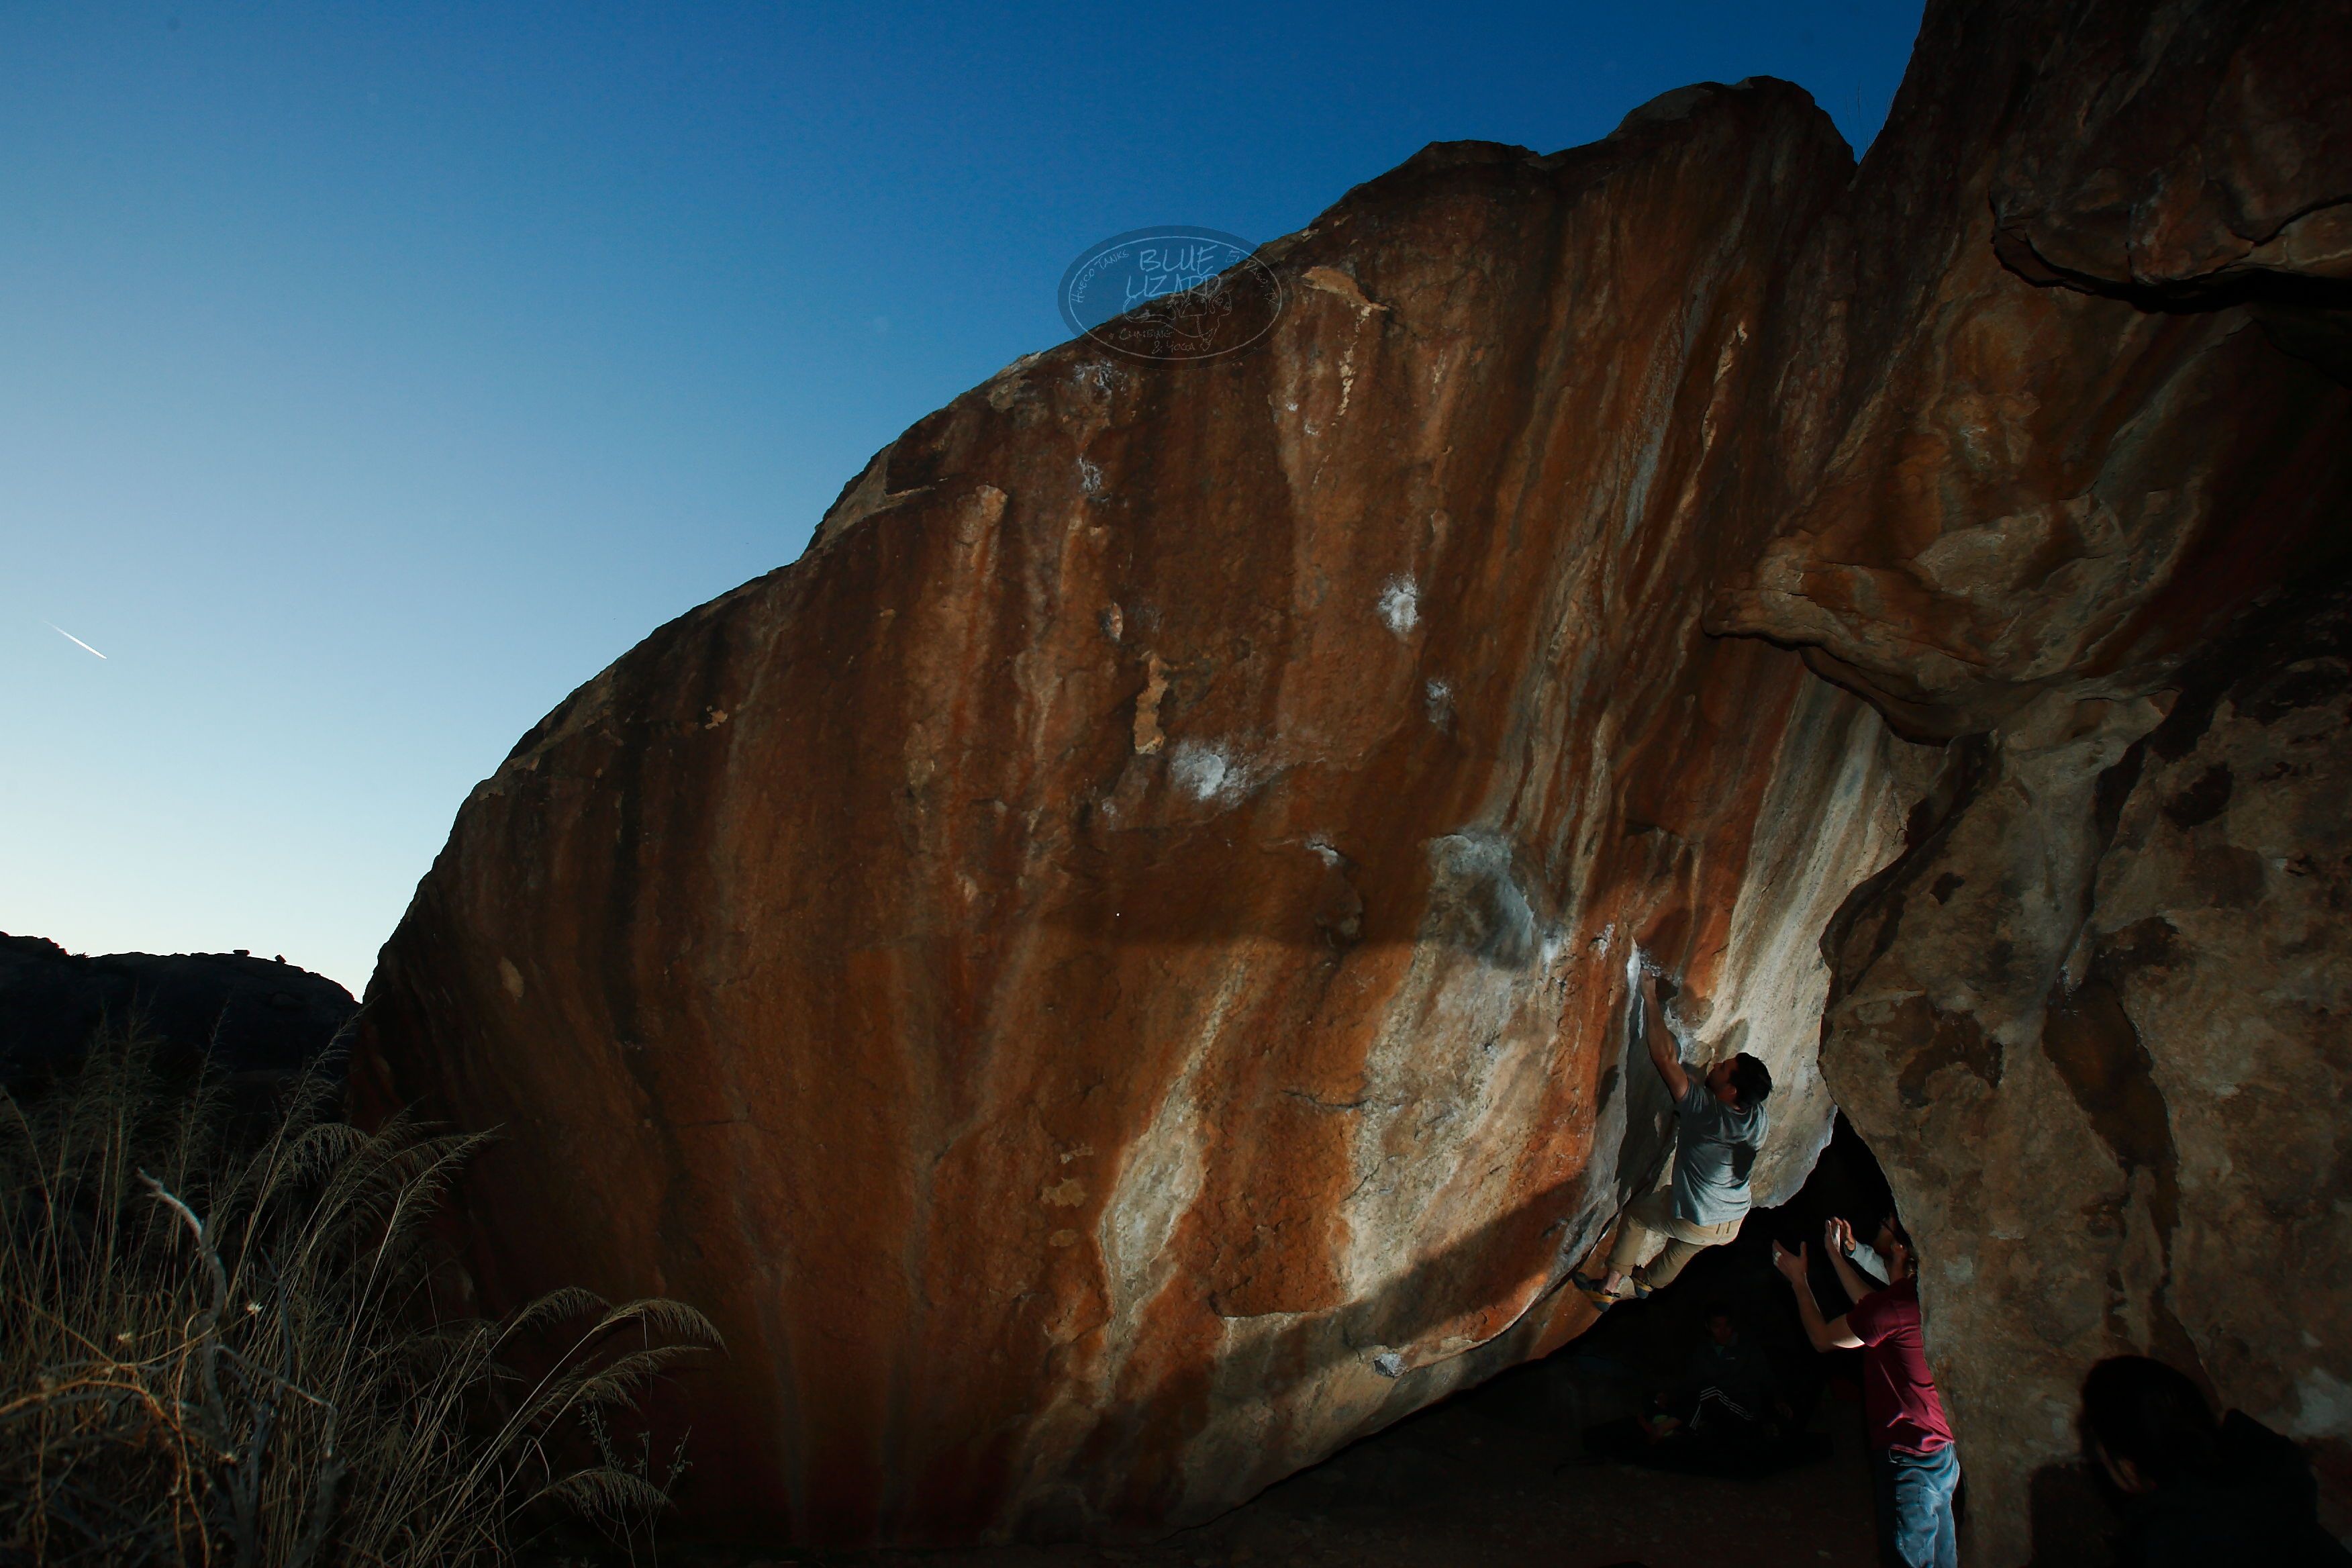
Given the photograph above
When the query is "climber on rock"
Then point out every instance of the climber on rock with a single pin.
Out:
(1914, 1468)
(1721, 1123)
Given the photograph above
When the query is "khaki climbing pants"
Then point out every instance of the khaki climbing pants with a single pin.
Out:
(1650, 1221)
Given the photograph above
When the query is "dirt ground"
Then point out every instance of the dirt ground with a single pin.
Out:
(1488, 1479)
(1497, 1475)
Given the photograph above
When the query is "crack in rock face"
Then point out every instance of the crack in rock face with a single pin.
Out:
(1110, 1021)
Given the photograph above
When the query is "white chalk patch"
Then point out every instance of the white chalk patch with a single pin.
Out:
(1685, 1037)
(1400, 604)
(1323, 851)
(1089, 477)
(1439, 696)
(1200, 771)
(512, 978)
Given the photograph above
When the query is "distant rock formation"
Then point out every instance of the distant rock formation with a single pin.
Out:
(249, 1018)
(1105, 977)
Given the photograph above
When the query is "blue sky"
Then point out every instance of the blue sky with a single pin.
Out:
(371, 375)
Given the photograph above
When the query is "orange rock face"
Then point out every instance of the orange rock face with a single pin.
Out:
(2081, 407)
(1992, 487)
(1106, 977)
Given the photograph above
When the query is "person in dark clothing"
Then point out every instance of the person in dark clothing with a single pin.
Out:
(1729, 1379)
(1915, 1466)
(1725, 1417)
(2195, 1489)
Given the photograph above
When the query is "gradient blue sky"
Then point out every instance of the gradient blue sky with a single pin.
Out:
(371, 375)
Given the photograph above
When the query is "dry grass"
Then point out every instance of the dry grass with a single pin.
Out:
(216, 1345)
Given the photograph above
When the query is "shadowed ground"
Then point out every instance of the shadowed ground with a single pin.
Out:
(1468, 1485)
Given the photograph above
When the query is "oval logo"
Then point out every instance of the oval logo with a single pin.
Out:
(1172, 293)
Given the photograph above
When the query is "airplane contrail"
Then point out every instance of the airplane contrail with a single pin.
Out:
(71, 638)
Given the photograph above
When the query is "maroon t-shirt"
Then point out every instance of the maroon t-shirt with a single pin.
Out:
(1899, 1395)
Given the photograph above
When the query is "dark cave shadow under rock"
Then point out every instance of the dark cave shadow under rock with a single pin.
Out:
(2070, 1517)
(1750, 1457)
(1497, 1473)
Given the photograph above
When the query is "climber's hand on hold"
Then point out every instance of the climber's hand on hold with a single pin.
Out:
(1792, 1264)
(1664, 1051)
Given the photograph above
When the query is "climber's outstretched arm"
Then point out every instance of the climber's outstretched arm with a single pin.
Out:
(1660, 1039)
(1836, 1333)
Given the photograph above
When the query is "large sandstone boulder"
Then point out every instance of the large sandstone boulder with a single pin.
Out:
(1105, 977)
(2067, 415)
(1991, 486)
(2095, 1024)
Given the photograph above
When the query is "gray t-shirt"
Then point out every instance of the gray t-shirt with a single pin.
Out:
(1713, 1154)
